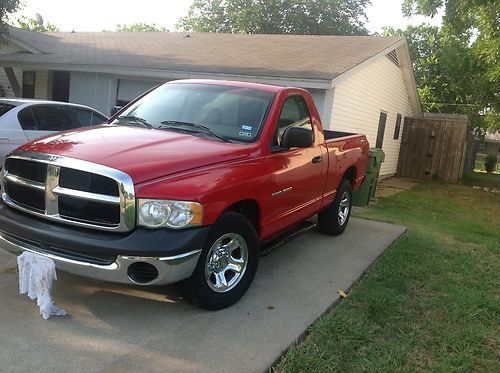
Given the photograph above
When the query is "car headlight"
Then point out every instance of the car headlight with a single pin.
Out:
(154, 213)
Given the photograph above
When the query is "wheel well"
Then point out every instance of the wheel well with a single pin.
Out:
(350, 174)
(248, 208)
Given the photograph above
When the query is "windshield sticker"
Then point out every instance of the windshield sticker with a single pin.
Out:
(246, 128)
(245, 134)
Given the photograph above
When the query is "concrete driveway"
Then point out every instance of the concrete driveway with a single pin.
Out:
(115, 328)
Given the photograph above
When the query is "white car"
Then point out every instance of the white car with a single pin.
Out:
(23, 120)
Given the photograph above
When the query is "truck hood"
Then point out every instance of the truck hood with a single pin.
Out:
(144, 154)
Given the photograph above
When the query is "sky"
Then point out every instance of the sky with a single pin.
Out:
(98, 15)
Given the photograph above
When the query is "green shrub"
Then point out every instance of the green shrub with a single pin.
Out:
(490, 163)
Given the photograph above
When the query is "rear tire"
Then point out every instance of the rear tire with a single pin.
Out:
(227, 264)
(333, 221)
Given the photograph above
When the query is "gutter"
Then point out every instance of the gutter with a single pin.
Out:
(174, 74)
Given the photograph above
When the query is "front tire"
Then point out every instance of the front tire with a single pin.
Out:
(227, 264)
(333, 221)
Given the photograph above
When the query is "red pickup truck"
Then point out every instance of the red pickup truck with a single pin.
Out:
(184, 183)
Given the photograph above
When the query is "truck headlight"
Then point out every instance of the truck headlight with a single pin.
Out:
(154, 213)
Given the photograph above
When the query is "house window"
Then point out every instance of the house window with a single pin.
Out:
(381, 130)
(28, 84)
(397, 129)
(481, 146)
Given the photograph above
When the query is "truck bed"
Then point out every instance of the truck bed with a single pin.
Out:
(330, 135)
(344, 150)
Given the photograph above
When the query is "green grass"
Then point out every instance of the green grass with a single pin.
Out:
(482, 179)
(431, 302)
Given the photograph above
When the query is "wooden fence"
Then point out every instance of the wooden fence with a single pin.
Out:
(434, 147)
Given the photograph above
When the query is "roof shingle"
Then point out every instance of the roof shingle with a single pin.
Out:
(292, 56)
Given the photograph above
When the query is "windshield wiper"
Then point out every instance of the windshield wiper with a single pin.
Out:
(136, 119)
(174, 124)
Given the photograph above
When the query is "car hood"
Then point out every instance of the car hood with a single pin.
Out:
(144, 154)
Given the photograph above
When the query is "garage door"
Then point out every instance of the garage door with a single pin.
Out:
(128, 89)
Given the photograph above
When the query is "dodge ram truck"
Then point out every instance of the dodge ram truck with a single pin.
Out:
(184, 183)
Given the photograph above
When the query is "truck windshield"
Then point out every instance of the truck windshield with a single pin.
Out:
(216, 111)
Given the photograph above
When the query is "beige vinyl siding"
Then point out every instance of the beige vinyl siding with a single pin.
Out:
(360, 98)
(41, 84)
(4, 81)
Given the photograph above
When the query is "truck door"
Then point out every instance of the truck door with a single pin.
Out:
(299, 173)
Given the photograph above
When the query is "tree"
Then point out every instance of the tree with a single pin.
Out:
(307, 17)
(140, 27)
(33, 25)
(6, 7)
(466, 77)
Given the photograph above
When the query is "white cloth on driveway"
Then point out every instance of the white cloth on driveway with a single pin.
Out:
(36, 275)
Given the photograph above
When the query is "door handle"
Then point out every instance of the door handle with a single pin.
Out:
(317, 159)
(4, 140)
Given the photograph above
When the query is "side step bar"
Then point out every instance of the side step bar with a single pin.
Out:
(271, 245)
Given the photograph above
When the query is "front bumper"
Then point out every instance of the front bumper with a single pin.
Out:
(172, 255)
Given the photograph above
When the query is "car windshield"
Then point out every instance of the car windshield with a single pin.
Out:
(5, 108)
(215, 111)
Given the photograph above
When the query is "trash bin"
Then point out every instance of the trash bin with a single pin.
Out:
(361, 197)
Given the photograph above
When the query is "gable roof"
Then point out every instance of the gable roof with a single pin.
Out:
(285, 56)
(33, 42)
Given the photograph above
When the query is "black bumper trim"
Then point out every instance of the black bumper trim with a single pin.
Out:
(86, 242)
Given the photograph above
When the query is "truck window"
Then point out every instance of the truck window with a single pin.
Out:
(293, 113)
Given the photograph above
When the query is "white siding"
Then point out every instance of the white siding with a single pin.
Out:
(360, 98)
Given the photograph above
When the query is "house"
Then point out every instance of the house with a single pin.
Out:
(490, 145)
(361, 84)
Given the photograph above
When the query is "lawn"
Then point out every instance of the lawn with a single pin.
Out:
(431, 302)
(482, 179)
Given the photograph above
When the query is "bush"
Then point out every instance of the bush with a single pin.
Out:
(490, 163)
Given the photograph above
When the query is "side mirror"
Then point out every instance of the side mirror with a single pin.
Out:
(116, 109)
(297, 137)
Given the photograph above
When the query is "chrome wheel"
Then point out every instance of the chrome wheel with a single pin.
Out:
(344, 207)
(226, 262)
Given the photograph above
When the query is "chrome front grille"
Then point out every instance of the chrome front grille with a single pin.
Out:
(69, 190)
